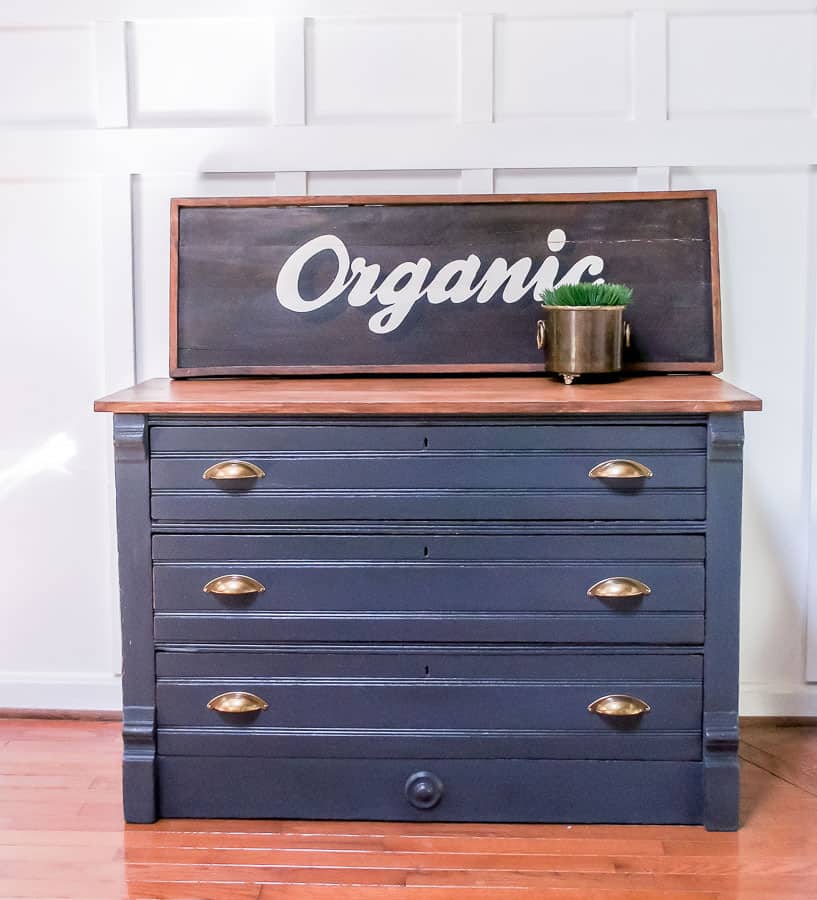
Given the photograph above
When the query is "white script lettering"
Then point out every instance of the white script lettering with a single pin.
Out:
(399, 290)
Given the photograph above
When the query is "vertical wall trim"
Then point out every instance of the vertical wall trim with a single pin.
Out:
(289, 71)
(810, 434)
(116, 241)
(653, 178)
(476, 68)
(116, 298)
(477, 181)
(813, 21)
(110, 46)
(650, 60)
(290, 184)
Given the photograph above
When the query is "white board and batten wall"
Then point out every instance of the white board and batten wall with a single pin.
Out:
(108, 109)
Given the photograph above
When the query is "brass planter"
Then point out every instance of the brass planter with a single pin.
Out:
(582, 340)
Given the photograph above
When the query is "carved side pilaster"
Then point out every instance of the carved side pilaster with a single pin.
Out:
(720, 720)
(136, 597)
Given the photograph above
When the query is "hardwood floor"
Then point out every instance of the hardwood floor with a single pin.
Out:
(62, 836)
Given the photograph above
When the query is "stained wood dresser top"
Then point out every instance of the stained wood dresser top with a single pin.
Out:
(460, 395)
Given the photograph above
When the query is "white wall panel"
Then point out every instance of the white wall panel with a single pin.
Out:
(364, 70)
(444, 182)
(380, 97)
(202, 71)
(741, 63)
(56, 545)
(47, 77)
(764, 219)
(151, 252)
(562, 67)
(569, 181)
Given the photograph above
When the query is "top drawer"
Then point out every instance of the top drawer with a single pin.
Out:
(427, 471)
(333, 436)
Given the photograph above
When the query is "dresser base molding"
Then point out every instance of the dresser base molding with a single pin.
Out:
(497, 790)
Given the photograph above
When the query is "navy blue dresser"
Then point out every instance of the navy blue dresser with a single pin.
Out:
(455, 599)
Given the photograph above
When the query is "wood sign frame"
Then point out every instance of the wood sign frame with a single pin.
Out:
(668, 240)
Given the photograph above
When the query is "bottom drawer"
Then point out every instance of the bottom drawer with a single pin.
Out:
(442, 790)
(453, 702)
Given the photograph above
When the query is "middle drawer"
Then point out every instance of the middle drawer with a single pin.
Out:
(574, 588)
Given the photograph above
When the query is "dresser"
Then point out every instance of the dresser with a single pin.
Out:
(431, 599)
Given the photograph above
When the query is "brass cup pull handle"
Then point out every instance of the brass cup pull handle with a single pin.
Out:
(619, 587)
(620, 468)
(237, 703)
(233, 586)
(619, 705)
(232, 470)
(540, 334)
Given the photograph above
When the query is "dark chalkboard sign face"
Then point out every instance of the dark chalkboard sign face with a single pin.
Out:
(432, 284)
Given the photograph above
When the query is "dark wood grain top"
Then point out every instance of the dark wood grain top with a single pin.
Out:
(462, 395)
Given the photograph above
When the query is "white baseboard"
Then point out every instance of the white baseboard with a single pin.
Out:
(778, 700)
(60, 690)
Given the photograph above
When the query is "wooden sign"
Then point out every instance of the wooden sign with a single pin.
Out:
(314, 285)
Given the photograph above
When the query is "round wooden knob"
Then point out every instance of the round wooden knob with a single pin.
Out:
(424, 790)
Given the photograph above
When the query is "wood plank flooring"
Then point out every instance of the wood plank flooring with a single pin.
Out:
(62, 836)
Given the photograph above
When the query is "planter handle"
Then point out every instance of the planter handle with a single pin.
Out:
(540, 334)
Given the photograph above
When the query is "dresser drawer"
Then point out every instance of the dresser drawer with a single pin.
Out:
(387, 702)
(232, 438)
(500, 588)
(425, 471)
(424, 486)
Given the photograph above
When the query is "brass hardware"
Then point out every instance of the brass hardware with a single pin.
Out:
(233, 469)
(619, 587)
(619, 705)
(541, 331)
(627, 335)
(233, 586)
(237, 703)
(620, 468)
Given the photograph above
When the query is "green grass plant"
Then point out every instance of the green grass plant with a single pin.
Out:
(587, 294)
